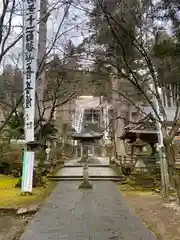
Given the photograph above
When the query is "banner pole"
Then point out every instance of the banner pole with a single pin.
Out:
(30, 47)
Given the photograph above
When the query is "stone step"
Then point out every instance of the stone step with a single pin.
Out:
(81, 165)
(90, 178)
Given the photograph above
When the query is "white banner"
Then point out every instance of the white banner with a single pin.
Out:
(30, 65)
(27, 173)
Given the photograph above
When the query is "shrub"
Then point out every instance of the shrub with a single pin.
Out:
(156, 173)
(56, 154)
(10, 158)
(127, 170)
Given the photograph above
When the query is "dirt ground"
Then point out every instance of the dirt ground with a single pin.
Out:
(11, 226)
(161, 217)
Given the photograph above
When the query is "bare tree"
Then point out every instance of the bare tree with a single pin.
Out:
(8, 12)
(47, 43)
(58, 91)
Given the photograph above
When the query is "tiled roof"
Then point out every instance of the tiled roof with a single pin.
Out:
(170, 112)
(144, 121)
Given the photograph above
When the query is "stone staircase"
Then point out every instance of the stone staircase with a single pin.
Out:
(99, 170)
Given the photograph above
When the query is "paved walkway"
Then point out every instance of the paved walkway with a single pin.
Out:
(98, 214)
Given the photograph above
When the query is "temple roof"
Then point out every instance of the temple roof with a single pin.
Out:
(87, 133)
(170, 112)
(146, 126)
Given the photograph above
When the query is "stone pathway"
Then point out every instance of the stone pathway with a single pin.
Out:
(97, 214)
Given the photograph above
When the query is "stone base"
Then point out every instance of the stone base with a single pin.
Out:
(143, 180)
(85, 185)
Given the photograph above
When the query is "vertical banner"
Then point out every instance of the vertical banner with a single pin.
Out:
(27, 173)
(30, 46)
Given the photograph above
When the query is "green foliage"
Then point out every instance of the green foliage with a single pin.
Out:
(48, 129)
(68, 150)
(115, 27)
(156, 173)
(166, 52)
(10, 157)
(15, 127)
(56, 154)
(166, 49)
(40, 156)
(11, 85)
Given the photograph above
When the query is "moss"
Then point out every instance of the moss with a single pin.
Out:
(136, 191)
(132, 186)
(11, 196)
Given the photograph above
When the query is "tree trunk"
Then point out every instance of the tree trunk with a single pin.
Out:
(119, 125)
(170, 156)
(170, 159)
(41, 54)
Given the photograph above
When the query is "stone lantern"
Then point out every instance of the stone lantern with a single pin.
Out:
(86, 137)
(48, 145)
(142, 150)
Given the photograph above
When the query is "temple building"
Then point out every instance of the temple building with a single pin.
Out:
(144, 127)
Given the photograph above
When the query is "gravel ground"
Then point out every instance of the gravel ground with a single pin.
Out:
(98, 214)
